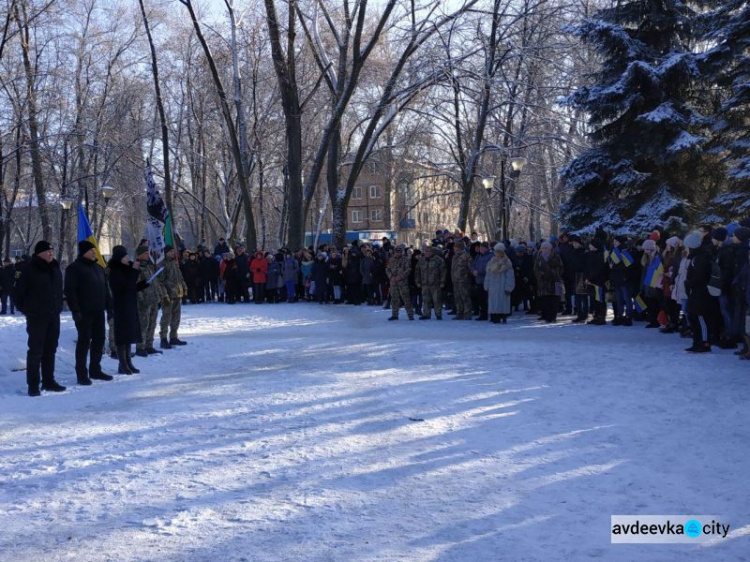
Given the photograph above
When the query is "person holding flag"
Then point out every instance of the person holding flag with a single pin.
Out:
(596, 274)
(651, 282)
(621, 282)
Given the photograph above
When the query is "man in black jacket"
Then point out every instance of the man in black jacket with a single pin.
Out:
(88, 299)
(39, 296)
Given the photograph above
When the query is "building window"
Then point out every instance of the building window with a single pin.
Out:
(356, 216)
(376, 214)
(375, 192)
(357, 193)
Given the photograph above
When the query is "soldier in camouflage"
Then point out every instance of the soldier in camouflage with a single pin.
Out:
(463, 280)
(148, 303)
(430, 277)
(171, 304)
(398, 272)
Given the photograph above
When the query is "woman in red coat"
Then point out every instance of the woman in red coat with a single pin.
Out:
(259, 271)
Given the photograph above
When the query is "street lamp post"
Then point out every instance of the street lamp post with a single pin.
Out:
(503, 208)
(517, 164)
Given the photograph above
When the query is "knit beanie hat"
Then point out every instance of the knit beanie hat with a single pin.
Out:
(119, 252)
(42, 246)
(719, 234)
(140, 250)
(693, 240)
(84, 246)
(673, 242)
(649, 244)
(499, 247)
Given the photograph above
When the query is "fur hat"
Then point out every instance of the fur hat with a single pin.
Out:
(84, 246)
(649, 244)
(693, 240)
(43, 246)
(499, 247)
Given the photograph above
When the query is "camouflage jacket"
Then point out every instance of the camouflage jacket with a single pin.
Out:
(154, 293)
(461, 269)
(430, 272)
(398, 270)
(172, 280)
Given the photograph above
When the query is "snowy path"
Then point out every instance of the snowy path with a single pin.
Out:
(316, 433)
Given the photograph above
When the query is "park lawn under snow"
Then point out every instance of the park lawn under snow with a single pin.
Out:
(315, 433)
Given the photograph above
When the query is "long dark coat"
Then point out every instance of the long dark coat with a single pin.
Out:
(547, 273)
(123, 281)
(700, 302)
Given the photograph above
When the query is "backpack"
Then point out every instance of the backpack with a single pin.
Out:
(717, 279)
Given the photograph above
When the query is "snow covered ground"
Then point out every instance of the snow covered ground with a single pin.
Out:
(315, 433)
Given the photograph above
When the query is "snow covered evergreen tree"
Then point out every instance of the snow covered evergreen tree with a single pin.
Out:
(726, 69)
(646, 165)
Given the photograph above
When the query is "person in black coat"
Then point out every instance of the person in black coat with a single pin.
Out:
(701, 306)
(7, 280)
(123, 280)
(320, 276)
(88, 298)
(221, 248)
(523, 268)
(39, 296)
(596, 274)
(209, 272)
(574, 270)
(191, 275)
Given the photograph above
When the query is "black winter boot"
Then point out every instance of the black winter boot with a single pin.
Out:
(165, 344)
(122, 352)
(129, 360)
(176, 341)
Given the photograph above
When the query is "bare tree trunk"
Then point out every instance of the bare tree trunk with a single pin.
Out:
(250, 233)
(286, 72)
(162, 115)
(34, 148)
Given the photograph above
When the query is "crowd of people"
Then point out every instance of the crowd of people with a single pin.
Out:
(697, 286)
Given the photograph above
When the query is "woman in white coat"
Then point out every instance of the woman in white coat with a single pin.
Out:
(499, 283)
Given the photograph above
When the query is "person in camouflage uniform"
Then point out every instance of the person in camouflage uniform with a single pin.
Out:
(171, 307)
(148, 303)
(398, 273)
(430, 277)
(463, 280)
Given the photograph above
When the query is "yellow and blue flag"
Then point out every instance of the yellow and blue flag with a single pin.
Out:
(598, 293)
(623, 256)
(85, 233)
(654, 272)
(640, 304)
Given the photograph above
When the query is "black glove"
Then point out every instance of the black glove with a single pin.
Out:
(142, 284)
